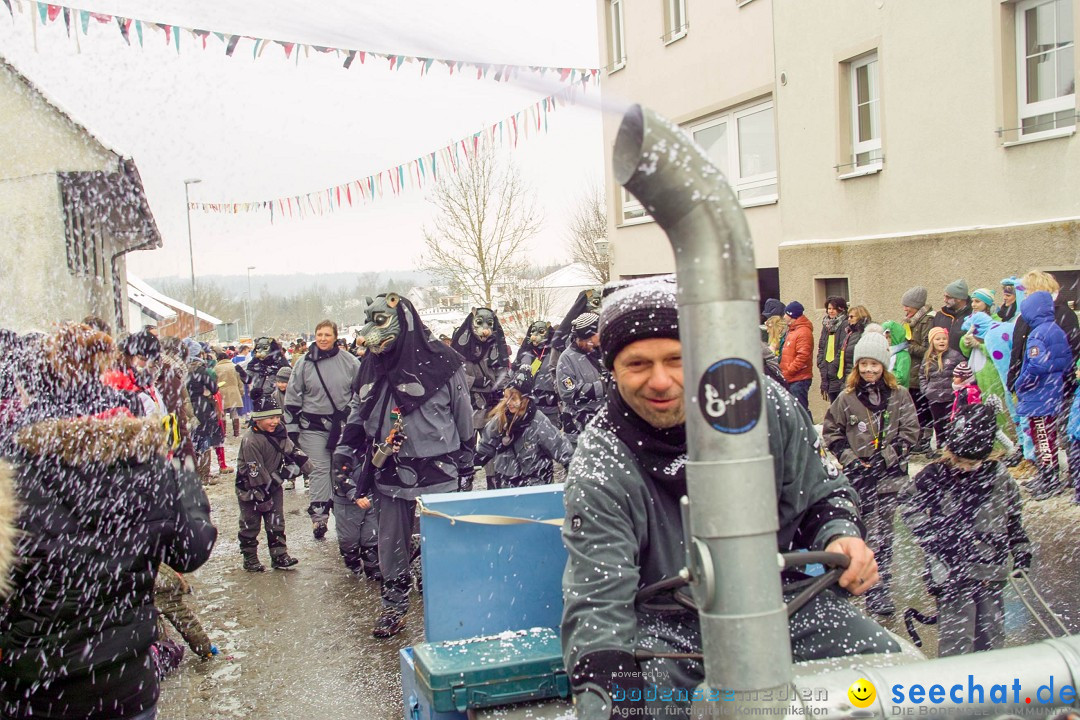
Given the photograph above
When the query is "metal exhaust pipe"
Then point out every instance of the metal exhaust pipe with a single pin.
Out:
(1027, 681)
(732, 548)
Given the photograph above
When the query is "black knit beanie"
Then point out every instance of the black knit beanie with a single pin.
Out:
(640, 310)
(972, 433)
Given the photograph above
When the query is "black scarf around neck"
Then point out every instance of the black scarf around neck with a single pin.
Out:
(415, 362)
(875, 395)
(314, 354)
(660, 453)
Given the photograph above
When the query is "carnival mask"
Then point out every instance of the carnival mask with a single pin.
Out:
(263, 348)
(538, 332)
(383, 326)
(594, 297)
(483, 323)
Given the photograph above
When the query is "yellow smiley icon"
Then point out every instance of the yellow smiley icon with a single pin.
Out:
(862, 693)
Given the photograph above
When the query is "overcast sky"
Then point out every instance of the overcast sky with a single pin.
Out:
(255, 129)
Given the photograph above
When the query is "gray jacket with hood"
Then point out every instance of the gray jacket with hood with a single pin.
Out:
(623, 531)
(526, 459)
(305, 397)
(580, 385)
(438, 438)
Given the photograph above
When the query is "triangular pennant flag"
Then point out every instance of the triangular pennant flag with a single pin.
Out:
(43, 10)
(231, 45)
(138, 31)
(53, 12)
(67, 21)
(220, 36)
(203, 35)
(349, 58)
(176, 38)
(84, 21)
(255, 51)
(288, 48)
(125, 26)
(10, 11)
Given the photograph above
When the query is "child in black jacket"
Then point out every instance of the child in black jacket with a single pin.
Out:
(265, 460)
(964, 511)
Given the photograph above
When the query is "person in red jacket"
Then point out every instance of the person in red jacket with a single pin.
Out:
(797, 356)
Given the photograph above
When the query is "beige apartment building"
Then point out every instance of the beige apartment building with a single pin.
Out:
(914, 141)
(921, 141)
(708, 65)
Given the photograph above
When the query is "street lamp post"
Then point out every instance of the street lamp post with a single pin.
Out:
(251, 310)
(191, 252)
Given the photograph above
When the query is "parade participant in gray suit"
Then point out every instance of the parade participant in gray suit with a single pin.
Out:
(480, 340)
(580, 377)
(316, 405)
(522, 441)
(538, 352)
(410, 427)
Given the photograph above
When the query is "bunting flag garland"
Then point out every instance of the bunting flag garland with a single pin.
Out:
(49, 12)
(419, 173)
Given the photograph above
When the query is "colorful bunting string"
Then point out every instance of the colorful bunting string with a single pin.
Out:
(416, 174)
(48, 13)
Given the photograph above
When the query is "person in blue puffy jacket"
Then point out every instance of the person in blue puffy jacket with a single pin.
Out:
(1040, 388)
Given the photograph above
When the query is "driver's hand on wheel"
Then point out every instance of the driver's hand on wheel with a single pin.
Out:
(862, 572)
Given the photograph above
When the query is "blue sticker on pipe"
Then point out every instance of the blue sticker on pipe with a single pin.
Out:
(729, 395)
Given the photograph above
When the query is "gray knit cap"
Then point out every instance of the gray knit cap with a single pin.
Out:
(873, 346)
(914, 298)
(640, 310)
(957, 289)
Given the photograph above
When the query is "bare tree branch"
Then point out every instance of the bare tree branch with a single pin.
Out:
(486, 217)
(588, 234)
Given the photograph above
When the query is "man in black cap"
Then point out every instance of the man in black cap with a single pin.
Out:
(623, 527)
(579, 376)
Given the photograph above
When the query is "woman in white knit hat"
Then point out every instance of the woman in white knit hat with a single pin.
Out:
(871, 427)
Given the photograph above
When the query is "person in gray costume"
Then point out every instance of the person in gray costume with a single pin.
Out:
(623, 528)
(480, 340)
(522, 441)
(539, 353)
(579, 376)
(410, 430)
(316, 406)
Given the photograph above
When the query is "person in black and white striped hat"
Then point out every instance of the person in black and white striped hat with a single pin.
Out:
(579, 377)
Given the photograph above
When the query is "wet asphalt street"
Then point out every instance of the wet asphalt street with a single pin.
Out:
(294, 643)
(297, 643)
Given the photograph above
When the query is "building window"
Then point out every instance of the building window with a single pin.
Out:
(675, 25)
(616, 36)
(1046, 73)
(825, 288)
(633, 212)
(865, 112)
(742, 143)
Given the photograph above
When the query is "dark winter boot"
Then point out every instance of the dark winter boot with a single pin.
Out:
(283, 561)
(389, 624)
(251, 560)
(236, 427)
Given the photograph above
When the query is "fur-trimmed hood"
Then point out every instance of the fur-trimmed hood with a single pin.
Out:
(8, 531)
(107, 441)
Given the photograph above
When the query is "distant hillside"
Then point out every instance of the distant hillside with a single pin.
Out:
(286, 285)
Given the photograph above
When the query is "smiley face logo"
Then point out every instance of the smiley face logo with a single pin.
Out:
(862, 693)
